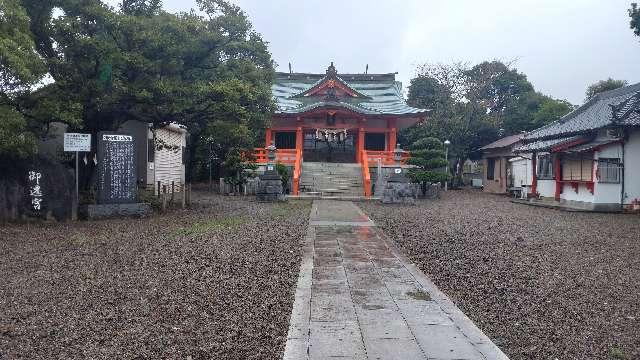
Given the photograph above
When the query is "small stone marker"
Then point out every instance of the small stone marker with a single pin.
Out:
(116, 168)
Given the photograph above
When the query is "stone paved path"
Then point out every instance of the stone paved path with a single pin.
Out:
(359, 298)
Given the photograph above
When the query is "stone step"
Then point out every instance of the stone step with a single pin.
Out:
(331, 179)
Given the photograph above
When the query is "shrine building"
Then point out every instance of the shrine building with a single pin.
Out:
(331, 118)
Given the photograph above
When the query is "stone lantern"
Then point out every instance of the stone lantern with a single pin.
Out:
(398, 190)
(270, 185)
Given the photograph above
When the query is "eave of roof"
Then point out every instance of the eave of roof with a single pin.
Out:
(594, 114)
(591, 146)
(504, 142)
(546, 145)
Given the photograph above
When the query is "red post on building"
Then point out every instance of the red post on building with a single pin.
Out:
(393, 134)
(558, 176)
(534, 176)
(360, 143)
(299, 138)
(267, 137)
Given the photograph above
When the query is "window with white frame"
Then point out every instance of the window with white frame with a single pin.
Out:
(609, 170)
(545, 167)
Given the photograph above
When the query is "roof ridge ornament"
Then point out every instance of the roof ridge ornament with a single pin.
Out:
(331, 70)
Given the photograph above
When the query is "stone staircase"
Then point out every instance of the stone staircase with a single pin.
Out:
(331, 179)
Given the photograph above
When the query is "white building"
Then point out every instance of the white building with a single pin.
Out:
(590, 158)
(161, 154)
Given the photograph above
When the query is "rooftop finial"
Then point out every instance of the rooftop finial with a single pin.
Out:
(332, 70)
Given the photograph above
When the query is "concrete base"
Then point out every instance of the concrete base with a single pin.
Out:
(109, 211)
(575, 206)
(399, 193)
(433, 192)
(270, 187)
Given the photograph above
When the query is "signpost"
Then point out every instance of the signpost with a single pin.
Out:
(75, 142)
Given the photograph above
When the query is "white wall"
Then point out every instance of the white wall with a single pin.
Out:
(168, 162)
(607, 193)
(547, 188)
(521, 171)
(632, 167)
(570, 194)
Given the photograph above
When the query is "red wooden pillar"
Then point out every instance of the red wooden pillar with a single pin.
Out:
(360, 144)
(299, 138)
(534, 176)
(393, 134)
(558, 176)
(267, 137)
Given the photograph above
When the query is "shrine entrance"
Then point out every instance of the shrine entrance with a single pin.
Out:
(337, 146)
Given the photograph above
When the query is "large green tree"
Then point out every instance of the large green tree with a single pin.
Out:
(141, 63)
(602, 86)
(20, 69)
(474, 105)
(533, 110)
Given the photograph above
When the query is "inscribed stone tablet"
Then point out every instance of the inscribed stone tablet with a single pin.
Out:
(116, 168)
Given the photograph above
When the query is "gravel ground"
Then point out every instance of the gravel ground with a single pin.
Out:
(543, 284)
(213, 282)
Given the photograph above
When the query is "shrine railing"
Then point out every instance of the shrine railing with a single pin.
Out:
(385, 157)
(284, 156)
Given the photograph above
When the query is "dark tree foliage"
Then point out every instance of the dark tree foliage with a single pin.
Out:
(604, 85)
(141, 7)
(634, 14)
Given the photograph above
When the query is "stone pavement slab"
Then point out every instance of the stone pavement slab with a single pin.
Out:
(359, 298)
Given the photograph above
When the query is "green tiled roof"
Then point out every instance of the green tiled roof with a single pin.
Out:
(382, 94)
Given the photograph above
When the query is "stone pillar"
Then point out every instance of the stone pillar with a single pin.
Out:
(270, 185)
(398, 189)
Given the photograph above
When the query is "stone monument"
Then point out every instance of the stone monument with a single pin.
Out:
(116, 169)
(398, 189)
(117, 186)
(270, 185)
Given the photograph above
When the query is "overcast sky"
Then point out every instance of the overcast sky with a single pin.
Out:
(561, 45)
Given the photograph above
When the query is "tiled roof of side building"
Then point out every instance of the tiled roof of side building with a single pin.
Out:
(545, 145)
(594, 114)
(383, 94)
(504, 142)
(628, 112)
